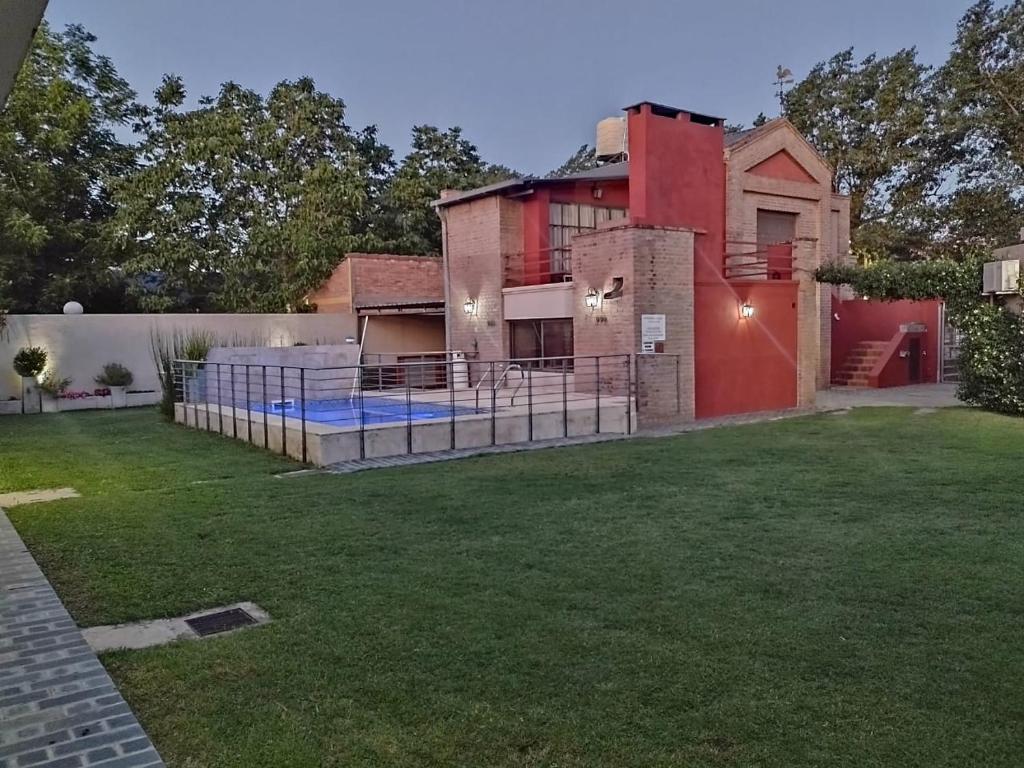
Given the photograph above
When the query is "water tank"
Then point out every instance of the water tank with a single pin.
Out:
(612, 139)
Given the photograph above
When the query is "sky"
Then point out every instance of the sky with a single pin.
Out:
(527, 81)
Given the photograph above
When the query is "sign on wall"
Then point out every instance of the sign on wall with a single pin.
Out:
(652, 333)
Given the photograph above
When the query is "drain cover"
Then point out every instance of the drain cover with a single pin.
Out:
(222, 621)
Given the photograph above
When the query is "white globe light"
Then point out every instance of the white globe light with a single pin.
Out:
(73, 308)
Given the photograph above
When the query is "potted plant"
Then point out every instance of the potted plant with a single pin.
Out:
(53, 386)
(117, 379)
(29, 363)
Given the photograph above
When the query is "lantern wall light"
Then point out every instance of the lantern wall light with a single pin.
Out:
(592, 299)
(469, 307)
(746, 311)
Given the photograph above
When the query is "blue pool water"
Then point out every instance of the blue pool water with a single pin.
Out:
(344, 412)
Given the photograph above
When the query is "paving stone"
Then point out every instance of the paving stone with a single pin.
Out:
(32, 497)
(58, 706)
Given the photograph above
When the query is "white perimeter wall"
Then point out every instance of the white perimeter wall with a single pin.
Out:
(78, 346)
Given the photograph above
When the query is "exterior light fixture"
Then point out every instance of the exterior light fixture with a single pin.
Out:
(469, 307)
(591, 299)
(746, 311)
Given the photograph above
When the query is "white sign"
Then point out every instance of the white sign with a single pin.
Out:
(652, 328)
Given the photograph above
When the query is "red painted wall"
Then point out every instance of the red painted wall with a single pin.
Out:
(536, 217)
(861, 320)
(677, 179)
(782, 165)
(741, 366)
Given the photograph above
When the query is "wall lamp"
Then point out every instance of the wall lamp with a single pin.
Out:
(592, 299)
(469, 307)
(746, 310)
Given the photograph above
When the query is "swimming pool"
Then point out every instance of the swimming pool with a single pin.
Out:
(344, 412)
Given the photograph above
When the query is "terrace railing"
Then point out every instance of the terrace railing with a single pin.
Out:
(750, 261)
(546, 398)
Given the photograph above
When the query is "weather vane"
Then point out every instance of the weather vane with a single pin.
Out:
(783, 77)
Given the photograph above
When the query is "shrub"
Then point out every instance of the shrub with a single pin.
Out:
(115, 375)
(189, 345)
(30, 361)
(53, 385)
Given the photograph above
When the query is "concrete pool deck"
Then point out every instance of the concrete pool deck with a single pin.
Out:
(323, 444)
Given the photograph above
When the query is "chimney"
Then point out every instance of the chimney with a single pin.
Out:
(677, 172)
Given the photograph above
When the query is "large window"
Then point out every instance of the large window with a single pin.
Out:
(542, 343)
(568, 219)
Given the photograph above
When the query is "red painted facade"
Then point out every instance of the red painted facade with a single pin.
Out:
(745, 364)
(536, 231)
(860, 321)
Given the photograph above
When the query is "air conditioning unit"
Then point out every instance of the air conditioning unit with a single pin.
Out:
(1001, 276)
(612, 141)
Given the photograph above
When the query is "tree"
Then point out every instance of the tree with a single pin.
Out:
(439, 160)
(583, 159)
(246, 203)
(980, 136)
(58, 153)
(871, 120)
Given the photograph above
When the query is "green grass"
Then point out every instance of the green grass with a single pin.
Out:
(835, 590)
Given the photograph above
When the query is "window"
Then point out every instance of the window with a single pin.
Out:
(568, 219)
(548, 340)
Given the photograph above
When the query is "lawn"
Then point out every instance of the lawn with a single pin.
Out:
(822, 591)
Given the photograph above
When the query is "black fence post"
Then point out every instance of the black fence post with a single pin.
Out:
(206, 393)
(284, 426)
(220, 410)
(597, 379)
(451, 399)
(408, 410)
(234, 413)
(629, 387)
(679, 404)
(494, 405)
(248, 410)
(195, 404)
(362, 417)
(529, 404)
(302, 407)
(265, 408)
(636, 386)
(565, 398)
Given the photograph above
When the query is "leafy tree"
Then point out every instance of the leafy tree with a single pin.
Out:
(583, 159)
(980, 136)
(247, 203)
(870, 120)
(58, 152)
(438, 160)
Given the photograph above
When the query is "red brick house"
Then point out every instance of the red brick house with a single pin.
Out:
(689, 243)
(399, 301)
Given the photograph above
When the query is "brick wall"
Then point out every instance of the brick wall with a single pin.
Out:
(478, 236)
(368, 278)
(656, 264)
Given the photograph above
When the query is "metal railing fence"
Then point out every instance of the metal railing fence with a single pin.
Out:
(555, 396)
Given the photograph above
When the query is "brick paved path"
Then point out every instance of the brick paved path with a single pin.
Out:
(58, 706)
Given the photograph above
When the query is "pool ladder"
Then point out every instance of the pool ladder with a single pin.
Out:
(501, 380)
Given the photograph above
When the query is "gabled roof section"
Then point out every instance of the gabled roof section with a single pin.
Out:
(739, 139)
